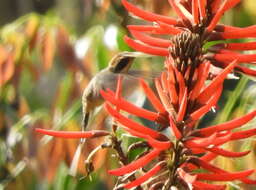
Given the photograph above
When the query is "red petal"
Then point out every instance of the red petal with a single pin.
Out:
(158, 42)
(239, 57)
(135, 164)
(189, 179)
(195, 11)
(241, 46)
(183, 107)
(224, 176)
(131, 124)
(163, 96)
(169, 88)
(204, 109)
(203, 186)
(144, 178)
(171, 85)
(249, 181)
(208, 156)
(207, 166)
(228, 28)
(129, 107)
(215, 5)
(240, 33)
(215, 169)
(181, 81)
(73, 134)
(156, 29)
(222, 140)
(200, 142)
(211, 88)
(146, 48)
(228, 125)
(202, 6)
(198, 150)
(161, 145)
(169, 29)
(180, 10)
(203, 72)
(224, 7)
(174, 128)
(227, 153)
(246, 70)
(142, 28)
(147, 15)
(152, 97)
(243, 134)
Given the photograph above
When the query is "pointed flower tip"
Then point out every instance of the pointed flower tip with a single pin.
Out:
(72, 134)
(224, 176)
(144, 177)
(135, 164)
(139, 46)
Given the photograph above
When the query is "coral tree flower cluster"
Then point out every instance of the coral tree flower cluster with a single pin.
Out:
(186, 90)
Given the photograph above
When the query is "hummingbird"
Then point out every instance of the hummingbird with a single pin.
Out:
(107, 78)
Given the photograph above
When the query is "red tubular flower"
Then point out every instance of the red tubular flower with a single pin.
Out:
(147, 15)
(151, 40)
(146, 48)
(202, 186)
(152, 97)
(135, 164)
(226, 153)
(224, 176)
(73, 134)
(128, 107)
(200, 142)
(145, 177)
(226, 126)
(189, 179)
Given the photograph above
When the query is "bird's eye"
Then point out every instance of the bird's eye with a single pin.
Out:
(121, 64)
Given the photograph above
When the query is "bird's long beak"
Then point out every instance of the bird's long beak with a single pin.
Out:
(135, 54)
